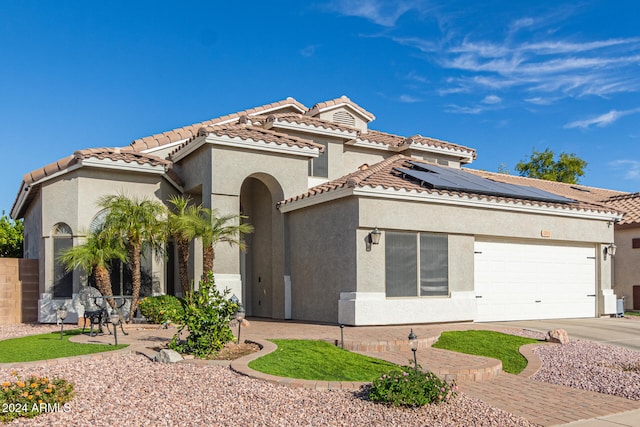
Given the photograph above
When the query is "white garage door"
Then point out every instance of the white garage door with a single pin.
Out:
(519, 281)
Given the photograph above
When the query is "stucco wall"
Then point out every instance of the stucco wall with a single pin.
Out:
(626, 265)
(323, 254)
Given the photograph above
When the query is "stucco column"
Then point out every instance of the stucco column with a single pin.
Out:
(226, 266)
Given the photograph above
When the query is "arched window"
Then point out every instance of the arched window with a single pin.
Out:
(62, 279)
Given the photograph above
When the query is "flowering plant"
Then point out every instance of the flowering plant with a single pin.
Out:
(411, 387)
(31, 397)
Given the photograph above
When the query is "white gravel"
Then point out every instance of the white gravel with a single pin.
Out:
(130, 390)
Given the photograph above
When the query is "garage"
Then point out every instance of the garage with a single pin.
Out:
(520, 280)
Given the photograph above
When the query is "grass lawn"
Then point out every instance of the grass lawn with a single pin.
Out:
(488, 343)
(319, 360)
(48, 346)
(632, 313)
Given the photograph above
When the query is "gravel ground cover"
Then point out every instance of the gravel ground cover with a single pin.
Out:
(131, 390)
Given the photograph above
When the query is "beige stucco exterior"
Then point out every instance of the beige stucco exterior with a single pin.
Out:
(626, 273)
(309, 257)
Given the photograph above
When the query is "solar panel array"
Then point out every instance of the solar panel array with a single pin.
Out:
(441, 178)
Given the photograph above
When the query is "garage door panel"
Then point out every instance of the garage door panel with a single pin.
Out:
(517, 281)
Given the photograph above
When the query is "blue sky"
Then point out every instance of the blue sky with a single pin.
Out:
(502, 77)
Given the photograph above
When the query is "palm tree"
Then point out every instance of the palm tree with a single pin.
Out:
(227, 228)
(138, 224)
(186, 222)
(94, 257)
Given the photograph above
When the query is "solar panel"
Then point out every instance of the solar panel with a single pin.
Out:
(442, 178)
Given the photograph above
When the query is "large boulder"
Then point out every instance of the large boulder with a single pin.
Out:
(168, 356)
(559, 336)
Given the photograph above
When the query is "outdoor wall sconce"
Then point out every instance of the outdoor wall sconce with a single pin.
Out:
(413, 344)
(373, 238)
(609, 250)
(61, 313)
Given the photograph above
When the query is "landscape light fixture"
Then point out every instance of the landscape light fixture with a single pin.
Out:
(114, 317)
(413, 344)
(609, 250)
(61, 313)
(239, 316)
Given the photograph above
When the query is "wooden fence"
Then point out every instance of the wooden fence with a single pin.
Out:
(18, 290)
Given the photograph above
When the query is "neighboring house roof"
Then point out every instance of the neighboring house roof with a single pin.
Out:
(119, 158)
(627, 203)
(384, 175)
(578, 192)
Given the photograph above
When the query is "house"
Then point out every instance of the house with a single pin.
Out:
(352, 225)
(626, 277)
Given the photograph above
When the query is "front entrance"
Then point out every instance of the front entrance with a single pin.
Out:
(262, 265)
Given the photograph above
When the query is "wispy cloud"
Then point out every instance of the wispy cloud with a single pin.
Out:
(528, 57)
(602, 120)
(408, 99)
(491, 99)
(377, 11)
(309, 51)
(631, 168)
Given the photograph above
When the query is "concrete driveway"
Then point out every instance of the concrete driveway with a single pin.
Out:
(624, 332)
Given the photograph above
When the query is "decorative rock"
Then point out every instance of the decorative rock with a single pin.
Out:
(167, 356)
(559, 336)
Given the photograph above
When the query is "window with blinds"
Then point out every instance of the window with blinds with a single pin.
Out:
(416, 264)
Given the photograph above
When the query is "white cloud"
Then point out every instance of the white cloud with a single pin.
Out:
(309, 51)
(632, 168)
(378, 11)
(491, 99)
(602, 120)
(457, 109)
(408, 99)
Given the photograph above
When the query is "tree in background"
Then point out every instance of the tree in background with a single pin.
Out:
(139, 224)
(542, 165)
(11, 237)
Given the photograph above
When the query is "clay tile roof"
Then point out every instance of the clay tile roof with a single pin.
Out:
(572, 191)
(627, 203)
(391, 140)
(385, 175)
(190, 131)
(125, 154)
(307, 120)
(327, 105)
(248, 132)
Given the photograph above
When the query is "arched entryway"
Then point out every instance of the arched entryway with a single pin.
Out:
(262, 265)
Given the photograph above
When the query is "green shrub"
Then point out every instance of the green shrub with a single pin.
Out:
(411, 387)
(161, 309)
(33, 396)
(207, 313)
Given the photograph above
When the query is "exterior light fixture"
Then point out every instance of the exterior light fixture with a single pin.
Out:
(609, 250)
(413, 344)
(239, 316)
(375, 236)
(61, 313)
(114, 317)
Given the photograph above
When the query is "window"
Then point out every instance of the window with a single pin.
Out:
(62, 279)
(416, 264)
(319, 166)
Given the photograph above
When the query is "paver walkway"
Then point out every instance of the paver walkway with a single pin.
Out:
(542, 403)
